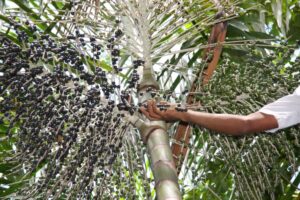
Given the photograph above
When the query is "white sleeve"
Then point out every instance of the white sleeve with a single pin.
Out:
(286, 110)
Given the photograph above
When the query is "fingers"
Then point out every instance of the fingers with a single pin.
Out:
(158, 112)
(152, 110)
(163, 103)
(166, 104)
(146, 113)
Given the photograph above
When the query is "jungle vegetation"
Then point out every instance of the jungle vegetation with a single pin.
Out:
(73, 74)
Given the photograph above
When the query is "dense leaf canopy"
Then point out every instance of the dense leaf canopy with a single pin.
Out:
(70, 74)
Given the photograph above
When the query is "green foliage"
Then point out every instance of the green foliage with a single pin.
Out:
(262, 166)
(255, 167)
(253, 71)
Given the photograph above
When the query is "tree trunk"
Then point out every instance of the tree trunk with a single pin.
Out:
(163, 166)
(154, 135)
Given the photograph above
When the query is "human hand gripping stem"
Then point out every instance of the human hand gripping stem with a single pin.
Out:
(223, 123)
(152, 112)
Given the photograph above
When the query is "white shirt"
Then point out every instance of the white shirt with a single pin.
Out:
(286, 110)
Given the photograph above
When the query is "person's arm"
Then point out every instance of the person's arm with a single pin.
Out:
(223, 123)
(231, 124)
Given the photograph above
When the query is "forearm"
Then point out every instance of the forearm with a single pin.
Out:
(230, 124)
(223, 123)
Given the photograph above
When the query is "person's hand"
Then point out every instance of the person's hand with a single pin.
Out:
(167, 112)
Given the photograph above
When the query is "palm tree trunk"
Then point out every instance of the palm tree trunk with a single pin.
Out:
(154, 135)
(163, 166)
